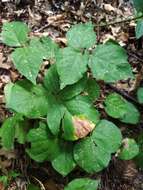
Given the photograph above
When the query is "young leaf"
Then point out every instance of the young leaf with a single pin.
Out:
(139, 29)
(75, 36)
(14, 33)
(71, 65)
(94, 153)
(44, 146)
(82, 184)
(91, 157)
(64, 162)
(117, 107)
(129, 150)
(27, 61)
(140, 95)
(28, 100)
(109, 63)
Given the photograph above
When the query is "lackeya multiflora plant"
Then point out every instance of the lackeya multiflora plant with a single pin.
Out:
(67, 129)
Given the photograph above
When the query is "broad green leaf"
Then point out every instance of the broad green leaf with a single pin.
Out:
(64, 162)
(140, 95)
(91, 157)
(109, 63)
(129, 150)
(15, 33)
(117, 107)
(50, 47)
(54, 115)
(106, 135)
(79, 119)
(51, 80)
(94, 153)
(27, 61)
(71, 91)
(28, 99)
(132, 115)
(93, 89)
(44, 146)
(7, 133)
(139, 29)
(81, 36)
(71, 65)
(138, 5)
(82, 184)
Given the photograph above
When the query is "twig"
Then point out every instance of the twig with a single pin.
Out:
(120, 21)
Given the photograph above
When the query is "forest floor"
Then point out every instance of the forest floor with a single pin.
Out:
(54, 18)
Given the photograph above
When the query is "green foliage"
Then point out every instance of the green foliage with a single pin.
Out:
(139, 29)
(13, 128)
(94, 153)
(129, 150)
(15, 34)
(75, 36)
(82, 184)
(138, 5)
(27, 99)
(117, 107)
(140, 95)
(6, 179)
(71, 65)
(108, 62)
(57, 117)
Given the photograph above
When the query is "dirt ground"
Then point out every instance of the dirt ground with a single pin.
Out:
(53, 18)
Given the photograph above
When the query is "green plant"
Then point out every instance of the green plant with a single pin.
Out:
(66, 127)
(138, 4)
(6, 179)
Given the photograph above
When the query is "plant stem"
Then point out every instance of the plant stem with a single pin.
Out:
(120, 21)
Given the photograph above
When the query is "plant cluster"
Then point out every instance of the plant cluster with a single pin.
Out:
(58, 116)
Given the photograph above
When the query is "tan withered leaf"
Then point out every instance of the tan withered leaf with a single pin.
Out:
(82, 126)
